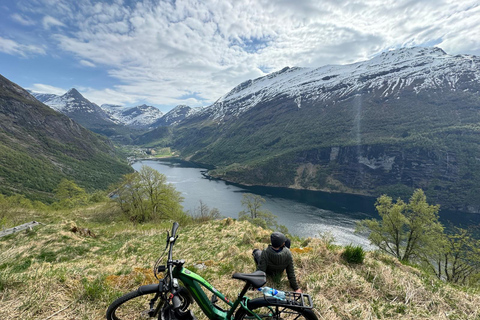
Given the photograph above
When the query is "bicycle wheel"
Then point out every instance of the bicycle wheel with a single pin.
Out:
(136, 304)
(272, 308)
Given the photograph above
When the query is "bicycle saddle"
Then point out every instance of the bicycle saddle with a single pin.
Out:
(256, 279)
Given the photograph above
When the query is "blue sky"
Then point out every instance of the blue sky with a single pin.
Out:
(165, 53)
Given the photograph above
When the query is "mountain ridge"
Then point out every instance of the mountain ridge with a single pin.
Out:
(388, 70)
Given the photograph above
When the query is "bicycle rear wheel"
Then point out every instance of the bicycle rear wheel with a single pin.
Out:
(272, 308)
(136, 304)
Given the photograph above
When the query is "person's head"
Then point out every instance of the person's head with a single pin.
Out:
(278, 239)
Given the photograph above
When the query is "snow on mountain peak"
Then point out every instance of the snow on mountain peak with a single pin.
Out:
(418, 68)
(140, 116)
(176, 115)
(71, 101)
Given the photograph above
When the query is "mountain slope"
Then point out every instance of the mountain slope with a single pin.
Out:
(175, 116)
(42, 97)
(405, 119)
(39, 147)
(86, 113)
(139, 117)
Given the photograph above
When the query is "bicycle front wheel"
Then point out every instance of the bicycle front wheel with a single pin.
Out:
(272, 308)
(137, 304)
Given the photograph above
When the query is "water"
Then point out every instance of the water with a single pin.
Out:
(305, 213)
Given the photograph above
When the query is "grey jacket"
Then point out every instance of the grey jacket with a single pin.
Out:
(272, 262)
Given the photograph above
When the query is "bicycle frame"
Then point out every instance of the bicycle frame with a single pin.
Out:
(193, 283)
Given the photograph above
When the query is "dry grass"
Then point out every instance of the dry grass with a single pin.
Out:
(53, 273)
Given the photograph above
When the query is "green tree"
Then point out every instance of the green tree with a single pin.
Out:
(70, 194)
(256, 215)
(253, 203)
(458, 259)
(406, 230)
(145, 195)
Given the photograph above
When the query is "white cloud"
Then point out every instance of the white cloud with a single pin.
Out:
(45, 88)
(161, 51)
(87, 63)
(108, 96)
(49, 21)
(14, 48)
(23, 20)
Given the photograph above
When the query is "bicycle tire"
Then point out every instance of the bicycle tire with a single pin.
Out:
(136, 304)
(272, 308)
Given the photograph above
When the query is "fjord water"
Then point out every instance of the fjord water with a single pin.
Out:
(305, 213)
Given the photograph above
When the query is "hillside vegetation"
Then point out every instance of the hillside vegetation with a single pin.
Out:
(364, 145)
(79, 261)
(39, 147)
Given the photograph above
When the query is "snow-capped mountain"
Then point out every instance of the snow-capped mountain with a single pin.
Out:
(90, 115)
(176, 115)
(114, 111)
(72, 102)
(138, 117)
(78, 108)
(42, 97)
(386, 75)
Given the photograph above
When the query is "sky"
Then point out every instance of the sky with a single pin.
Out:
(166, 53)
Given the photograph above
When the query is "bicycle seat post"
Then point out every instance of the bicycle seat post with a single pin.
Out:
(239, 299)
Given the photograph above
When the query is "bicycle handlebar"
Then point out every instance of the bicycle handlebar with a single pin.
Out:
(174, 229)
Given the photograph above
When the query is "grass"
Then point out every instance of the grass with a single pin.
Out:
(353, 254)
(56, 274)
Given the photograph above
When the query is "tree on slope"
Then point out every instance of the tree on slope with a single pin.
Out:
(256, 215)
(70, 194)
(145, 195)
(458, 259)
(406, 230)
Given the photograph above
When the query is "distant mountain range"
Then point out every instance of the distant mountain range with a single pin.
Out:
(100, 119)
(39, 146)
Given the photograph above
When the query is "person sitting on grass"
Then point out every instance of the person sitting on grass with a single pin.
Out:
(276, 258)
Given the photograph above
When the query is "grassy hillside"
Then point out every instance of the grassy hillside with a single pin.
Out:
(54, 273)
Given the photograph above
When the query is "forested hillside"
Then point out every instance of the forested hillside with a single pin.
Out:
(39, 147)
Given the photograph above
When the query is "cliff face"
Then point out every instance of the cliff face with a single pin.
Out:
(369, 170)
(375, 169)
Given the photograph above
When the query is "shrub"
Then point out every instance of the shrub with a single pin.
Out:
(353, 254)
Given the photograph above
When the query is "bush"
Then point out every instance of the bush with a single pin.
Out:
(353, 254)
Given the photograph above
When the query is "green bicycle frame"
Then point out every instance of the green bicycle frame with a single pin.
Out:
(192, 282)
